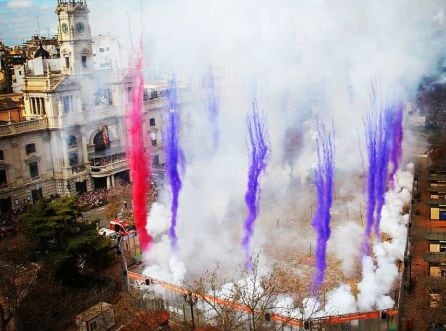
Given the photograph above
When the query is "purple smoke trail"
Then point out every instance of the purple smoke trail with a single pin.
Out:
(213, 107)
(384, 139)
(173, 157)
(371, 141)
(397, 139)
(259, 150)
(323, 179)
(376, 181)
(384, 135)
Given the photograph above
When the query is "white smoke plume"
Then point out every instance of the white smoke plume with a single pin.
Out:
(300, 59)
(344, 244)
(379, 271)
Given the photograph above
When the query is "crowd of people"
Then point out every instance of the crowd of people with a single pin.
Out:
(102, 161)
(9, 220)
(93, 199)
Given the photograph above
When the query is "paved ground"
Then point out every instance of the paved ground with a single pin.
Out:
(98, 214)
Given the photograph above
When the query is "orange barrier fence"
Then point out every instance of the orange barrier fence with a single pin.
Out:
(286, 320)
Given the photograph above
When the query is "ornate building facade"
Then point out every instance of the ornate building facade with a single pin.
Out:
(73, 136)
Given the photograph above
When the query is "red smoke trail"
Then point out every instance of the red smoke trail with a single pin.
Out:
(138, 159)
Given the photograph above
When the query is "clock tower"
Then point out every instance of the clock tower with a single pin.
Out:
(74, 36)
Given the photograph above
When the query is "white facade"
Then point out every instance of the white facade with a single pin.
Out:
(107, 53)
(18, 78)
(73, 139)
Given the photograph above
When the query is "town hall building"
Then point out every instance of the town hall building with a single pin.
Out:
(73, 137)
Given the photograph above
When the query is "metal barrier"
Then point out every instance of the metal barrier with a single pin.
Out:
(373, 320)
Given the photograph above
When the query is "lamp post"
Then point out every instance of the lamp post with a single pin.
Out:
(123, 262)
(192, 300)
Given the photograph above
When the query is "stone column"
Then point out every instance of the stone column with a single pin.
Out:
(108, 182)
(64, 149)
(84, 143)
(33, 105)
(43, 112)
(40, 106)
(112, 180)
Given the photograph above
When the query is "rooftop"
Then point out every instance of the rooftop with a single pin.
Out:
(8, 104)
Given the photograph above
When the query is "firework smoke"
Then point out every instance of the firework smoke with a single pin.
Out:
(259, 150)
(213, 107)
(384, 134)
(397, 139)
(323, 179)
(174, 157)
(138, 160)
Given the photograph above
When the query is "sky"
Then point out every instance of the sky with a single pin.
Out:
(18, 19)
(21, 19)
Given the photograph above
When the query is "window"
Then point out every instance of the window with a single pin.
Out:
(152, 122)
(73, 158)
(1, 155)
(129, 94)
(33, 169)
(20, 72)
(108, 48)
(71, 141)
(153, 138)
(145, 95)
(30, 148)
(67, 62)
(93, 325)
(103, 97)
(36, 194)
(156, 160)
(84, 61)
(101, 50)
(435, 300)
(3, 180)
(67, 103)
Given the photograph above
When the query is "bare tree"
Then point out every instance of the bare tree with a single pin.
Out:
(120, 201)
(255, 300)
(141, 310)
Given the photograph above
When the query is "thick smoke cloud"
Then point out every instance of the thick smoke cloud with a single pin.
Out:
(300, 59)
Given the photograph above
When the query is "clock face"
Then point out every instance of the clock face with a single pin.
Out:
(80, 27)
(64, 27)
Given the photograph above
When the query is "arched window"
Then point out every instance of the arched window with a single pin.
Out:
(71, 141)
(100, 143)
(73, 158)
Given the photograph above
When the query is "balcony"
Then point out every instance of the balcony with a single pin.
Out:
(42, 82)
(106, 164)
(78, 169)
(25, 126)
